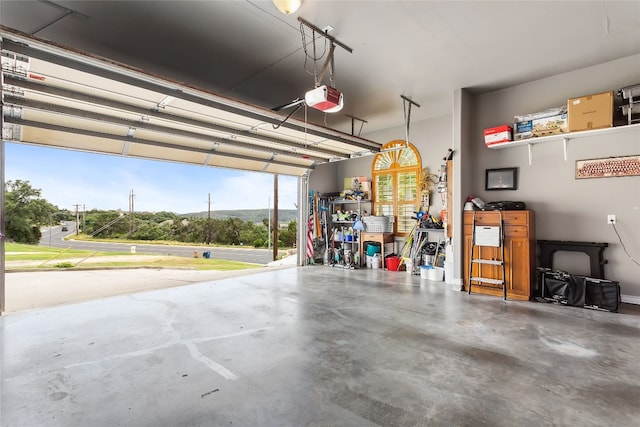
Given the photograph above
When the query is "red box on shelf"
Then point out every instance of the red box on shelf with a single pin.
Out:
(498, 135)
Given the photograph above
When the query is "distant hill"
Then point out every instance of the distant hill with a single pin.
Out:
(252, 215)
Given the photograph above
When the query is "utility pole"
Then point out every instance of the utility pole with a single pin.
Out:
(77, 218)
(209, 221)
(131, 212)
(275, 217)
(269, 224)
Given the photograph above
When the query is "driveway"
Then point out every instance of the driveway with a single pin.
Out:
(40, 289)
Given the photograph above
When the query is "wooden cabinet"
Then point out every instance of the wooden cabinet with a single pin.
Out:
(519, 253)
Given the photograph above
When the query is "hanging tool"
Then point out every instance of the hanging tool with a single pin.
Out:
(325, 230)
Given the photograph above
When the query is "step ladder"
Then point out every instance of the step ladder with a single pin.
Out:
(491, 236)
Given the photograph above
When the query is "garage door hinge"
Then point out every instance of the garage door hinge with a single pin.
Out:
(12, 63)
(11, 132)
(13, 91)
(11, 112)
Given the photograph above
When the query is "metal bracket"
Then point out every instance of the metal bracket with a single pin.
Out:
(353, 119)
(407, 117)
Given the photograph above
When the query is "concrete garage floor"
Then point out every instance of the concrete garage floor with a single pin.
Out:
(319, 346)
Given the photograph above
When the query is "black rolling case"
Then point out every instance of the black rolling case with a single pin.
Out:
(580, 291)
(602, 294)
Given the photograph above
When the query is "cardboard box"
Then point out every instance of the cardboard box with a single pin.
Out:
(523, 130)
(590, 112)
(354, 182)
(552, 125)
(544, 126)
(497, 135)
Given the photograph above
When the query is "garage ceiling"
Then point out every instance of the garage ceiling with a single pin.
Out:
(245, 55)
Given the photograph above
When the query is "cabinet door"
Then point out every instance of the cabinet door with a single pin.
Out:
(517, 257)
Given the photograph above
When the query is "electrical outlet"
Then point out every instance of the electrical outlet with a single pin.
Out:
(611, 219)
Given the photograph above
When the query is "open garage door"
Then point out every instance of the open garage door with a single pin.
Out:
(58, 97)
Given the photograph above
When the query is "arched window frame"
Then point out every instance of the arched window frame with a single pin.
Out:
(396, 174)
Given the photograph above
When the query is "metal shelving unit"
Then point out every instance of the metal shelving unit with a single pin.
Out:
(345, 253)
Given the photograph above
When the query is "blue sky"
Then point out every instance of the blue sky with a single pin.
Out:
(67, 178)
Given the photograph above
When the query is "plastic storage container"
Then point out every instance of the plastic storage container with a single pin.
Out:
(373, 248)
(376, 261)
(435, 274)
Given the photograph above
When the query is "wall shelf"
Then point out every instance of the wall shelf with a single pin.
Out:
(565, 137)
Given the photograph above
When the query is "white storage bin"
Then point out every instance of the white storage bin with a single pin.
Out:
(378, 224)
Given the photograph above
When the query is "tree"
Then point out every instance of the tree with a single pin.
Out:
(25, 212)
(287, 236)
(108, 224)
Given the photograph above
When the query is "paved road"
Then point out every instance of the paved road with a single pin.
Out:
(55, 239)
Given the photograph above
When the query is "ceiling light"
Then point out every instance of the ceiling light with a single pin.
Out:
(324, 98)
(287, 6)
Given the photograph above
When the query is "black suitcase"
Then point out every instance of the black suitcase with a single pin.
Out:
(602, 294)
(554, 285)
(580, 291)
(563, 288)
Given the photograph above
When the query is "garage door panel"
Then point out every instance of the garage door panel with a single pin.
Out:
(74, 122)
(162, 153)
(52, 138)
(108, 107)
(235, 163)
(267, 157)
(62, 77)
(285, 170)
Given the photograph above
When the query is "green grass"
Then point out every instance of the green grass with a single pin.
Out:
(42, 253)
(19, 247)
(22, 252)
(92, 259)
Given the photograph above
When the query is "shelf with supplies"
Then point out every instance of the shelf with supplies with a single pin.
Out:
(345, 232)
(346, 205)
(339, 201)
(565, 137)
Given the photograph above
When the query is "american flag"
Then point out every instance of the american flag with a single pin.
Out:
(310, 238)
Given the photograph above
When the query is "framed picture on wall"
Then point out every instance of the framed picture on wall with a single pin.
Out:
(501, 179)
(608, 167)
